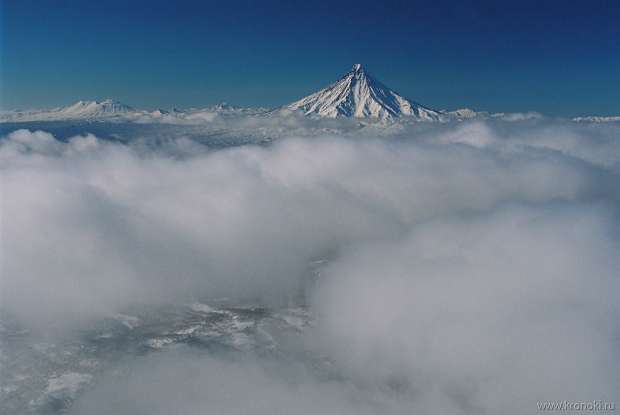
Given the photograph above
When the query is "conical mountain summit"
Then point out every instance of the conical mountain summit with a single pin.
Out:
(358, 94)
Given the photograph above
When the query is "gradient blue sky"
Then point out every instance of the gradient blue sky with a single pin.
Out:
(556, 57)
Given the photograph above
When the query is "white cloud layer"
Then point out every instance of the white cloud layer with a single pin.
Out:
(472, 267)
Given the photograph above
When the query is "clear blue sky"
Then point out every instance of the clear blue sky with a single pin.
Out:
(556, 57)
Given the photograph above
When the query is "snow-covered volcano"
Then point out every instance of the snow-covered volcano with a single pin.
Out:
(94, 109)
(82, 110)
(357, 94)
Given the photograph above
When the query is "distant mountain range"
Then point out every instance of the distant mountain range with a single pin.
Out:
(357, 94)
(112, 110)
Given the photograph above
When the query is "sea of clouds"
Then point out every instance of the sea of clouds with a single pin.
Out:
(469, 267)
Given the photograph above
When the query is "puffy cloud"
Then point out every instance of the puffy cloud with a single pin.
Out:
(488, 313)
(470, 264)
(109, 226)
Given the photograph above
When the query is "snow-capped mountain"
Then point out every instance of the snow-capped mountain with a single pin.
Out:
(597, 119)
(81, 110)
(224, 106)
(357, 94)
(464, 113)
(95, 109)
(111, 110)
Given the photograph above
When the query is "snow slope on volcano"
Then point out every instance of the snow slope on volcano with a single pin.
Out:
(357, 94)
(95, 109)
